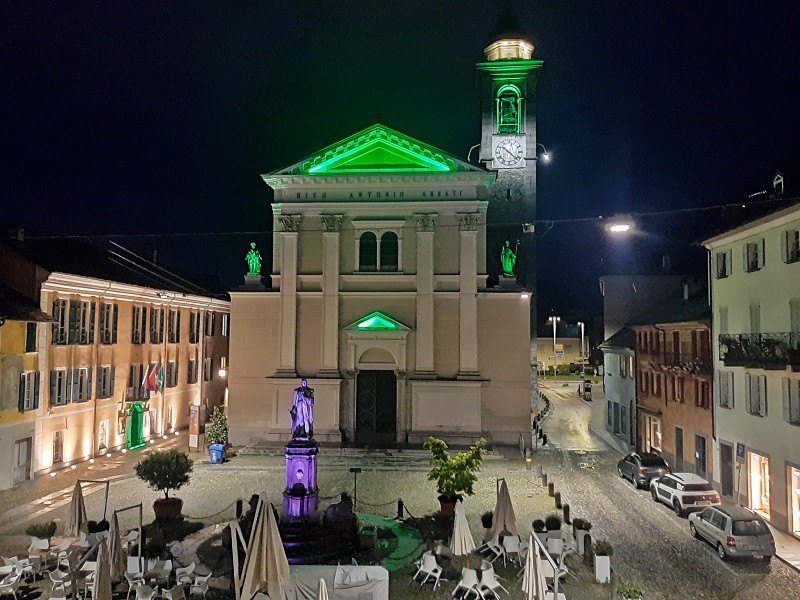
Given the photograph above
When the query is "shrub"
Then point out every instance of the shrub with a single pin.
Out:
(41, 530)
(487, 519)
(630, 590)
(217, 428)
(581, 524)
(454, 476)
(165, 470)
(538, 525)
(552, 522)
(602, 548)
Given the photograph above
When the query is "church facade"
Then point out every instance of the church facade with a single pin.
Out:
(380, 295)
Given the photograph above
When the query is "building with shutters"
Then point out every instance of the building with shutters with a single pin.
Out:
(115, 318)
(755, 292)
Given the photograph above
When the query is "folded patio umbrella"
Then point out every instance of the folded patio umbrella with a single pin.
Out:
(76, 521)
(116, 554)
(504, 519)
(102, 576)
(266, 568)
(322, 590)
(461, 543)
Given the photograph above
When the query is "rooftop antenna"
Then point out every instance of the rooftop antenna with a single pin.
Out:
(777, 183)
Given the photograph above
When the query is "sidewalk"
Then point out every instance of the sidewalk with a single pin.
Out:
(787, 548)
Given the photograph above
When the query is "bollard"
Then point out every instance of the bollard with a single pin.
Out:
(551, 489)
(544, 479)
(539, 471)
(557, 496)
(544, 439)
(567, 518)
(400, 510)
(239, 504)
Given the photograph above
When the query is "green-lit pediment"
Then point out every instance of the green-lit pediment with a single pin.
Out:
(377, 321)
(378, 149)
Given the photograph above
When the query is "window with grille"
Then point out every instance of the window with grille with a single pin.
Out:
(81, 388)
(60, 327)
(59, 387)
(174, 330)
(138, 324)
(108, 323)
(725, 386)
(81, 322)
(105, 381)
(756, 394)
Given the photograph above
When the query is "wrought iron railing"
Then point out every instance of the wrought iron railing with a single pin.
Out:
(684, 361)
(760, 349)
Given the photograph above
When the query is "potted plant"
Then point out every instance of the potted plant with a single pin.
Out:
(580, 529)
(553, 525)
(217, 435)
(602, 551)
(41, 531)
(163, 471)
(454, 476)
(629, 590)
(539, 531)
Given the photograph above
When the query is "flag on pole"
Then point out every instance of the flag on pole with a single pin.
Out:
(152, 380)
(161, 378)
(146, 381)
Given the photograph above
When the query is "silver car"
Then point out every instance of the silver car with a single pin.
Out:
(734, 531)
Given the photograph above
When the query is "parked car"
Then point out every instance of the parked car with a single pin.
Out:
(684, 492)
(734, 531)
(641, 468)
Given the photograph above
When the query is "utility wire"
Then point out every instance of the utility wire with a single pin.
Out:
(548, 223)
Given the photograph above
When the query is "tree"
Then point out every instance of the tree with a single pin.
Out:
(217, 430)
(165, 470)
(454, 475)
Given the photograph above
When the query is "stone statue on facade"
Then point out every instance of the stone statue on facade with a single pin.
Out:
(508, 259)
(253, 259)
(302, 412)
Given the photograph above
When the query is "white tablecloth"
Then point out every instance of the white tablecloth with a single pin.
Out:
(344, 582)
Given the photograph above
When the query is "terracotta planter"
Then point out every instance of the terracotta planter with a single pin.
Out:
(167, 508)
(447, 505)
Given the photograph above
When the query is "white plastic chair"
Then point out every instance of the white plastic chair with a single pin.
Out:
(200, 585)
(59, 579)
(489, 583)
(183, 575)
(129, 538)
(555, 548)
(145, 592)
(10, 585)
(134, 580)
(176, 592)
(511, 549)
(61, 551)
(430, 569)
(468, 583)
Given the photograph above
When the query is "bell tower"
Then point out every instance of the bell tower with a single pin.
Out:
(508, 143)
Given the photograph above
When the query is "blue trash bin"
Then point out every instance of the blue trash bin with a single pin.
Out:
(216, 453)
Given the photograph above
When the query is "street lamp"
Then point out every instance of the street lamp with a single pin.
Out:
(620, 224)
(553, 319)
(583, 354)
(546, 156)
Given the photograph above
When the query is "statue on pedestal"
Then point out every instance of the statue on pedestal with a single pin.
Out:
(508, 259)
(302, 412)
(253, 259)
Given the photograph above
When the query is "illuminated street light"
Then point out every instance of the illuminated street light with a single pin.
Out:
(546, 156)
(524, 295)
(553, 319)
(620, 224)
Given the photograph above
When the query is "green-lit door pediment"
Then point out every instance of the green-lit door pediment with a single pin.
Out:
(377, 321)
(378, 149)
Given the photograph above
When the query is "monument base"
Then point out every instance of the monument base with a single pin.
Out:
(508, 282)
(254, 282)
(300, 495)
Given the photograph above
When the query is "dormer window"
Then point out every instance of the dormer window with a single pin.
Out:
(379, 246)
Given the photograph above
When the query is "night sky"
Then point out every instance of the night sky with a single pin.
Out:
(159, 117)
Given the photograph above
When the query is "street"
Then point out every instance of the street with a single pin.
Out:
(651, 544)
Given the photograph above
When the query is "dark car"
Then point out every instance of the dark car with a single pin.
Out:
(640, 468)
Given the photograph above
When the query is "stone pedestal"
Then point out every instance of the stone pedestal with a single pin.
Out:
(253, 282)
(300, 498)
(508, 282)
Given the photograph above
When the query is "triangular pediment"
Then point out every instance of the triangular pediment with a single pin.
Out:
(378, 149)
(377, 321)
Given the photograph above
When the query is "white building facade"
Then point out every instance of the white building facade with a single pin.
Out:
(379, 298)
(755, 277)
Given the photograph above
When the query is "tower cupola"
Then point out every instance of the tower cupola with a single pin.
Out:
(508, 40)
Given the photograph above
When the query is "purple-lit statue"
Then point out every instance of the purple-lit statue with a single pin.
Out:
(303, 412)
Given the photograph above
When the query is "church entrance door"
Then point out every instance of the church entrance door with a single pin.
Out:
(376, 406)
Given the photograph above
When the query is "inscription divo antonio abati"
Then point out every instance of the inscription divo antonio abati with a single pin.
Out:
(375, 195)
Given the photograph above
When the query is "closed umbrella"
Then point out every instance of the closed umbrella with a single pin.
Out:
(76, 521)
(266, 568)
(102, 576)
(504, 519)
(322, 590)
(533, 583)
(461, 543)
(116, 554)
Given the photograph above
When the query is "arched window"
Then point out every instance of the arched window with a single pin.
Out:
(388, 251)
(368, 252)
(509, 110)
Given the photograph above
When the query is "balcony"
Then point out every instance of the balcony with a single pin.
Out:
(682, 362)
(760, 350)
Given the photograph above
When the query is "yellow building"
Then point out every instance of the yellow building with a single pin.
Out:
(122, 361)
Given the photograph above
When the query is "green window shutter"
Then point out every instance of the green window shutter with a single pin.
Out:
(111, 376)
(787, 409)
(22, 392)
(133, 325)
(89, 384)
(152, 325)
(37, 381)
(100, 392)
(161, 326)
(76, 385)
(178, 327)
(92, 306)
(74, 311)
(67, 388)
(53, 386)
(114, 315)
(57, 317)
(103, 332)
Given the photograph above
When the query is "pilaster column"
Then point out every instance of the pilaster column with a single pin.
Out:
(290, 227)
(330, 295)
(468, 297)
(425, 261)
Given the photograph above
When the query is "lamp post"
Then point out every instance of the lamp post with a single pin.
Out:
(583, 354)
(546, 156)
(553, 319)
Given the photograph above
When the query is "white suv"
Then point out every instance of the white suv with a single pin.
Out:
(683, 492)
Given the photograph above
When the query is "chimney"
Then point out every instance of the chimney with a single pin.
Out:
(686, 291)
